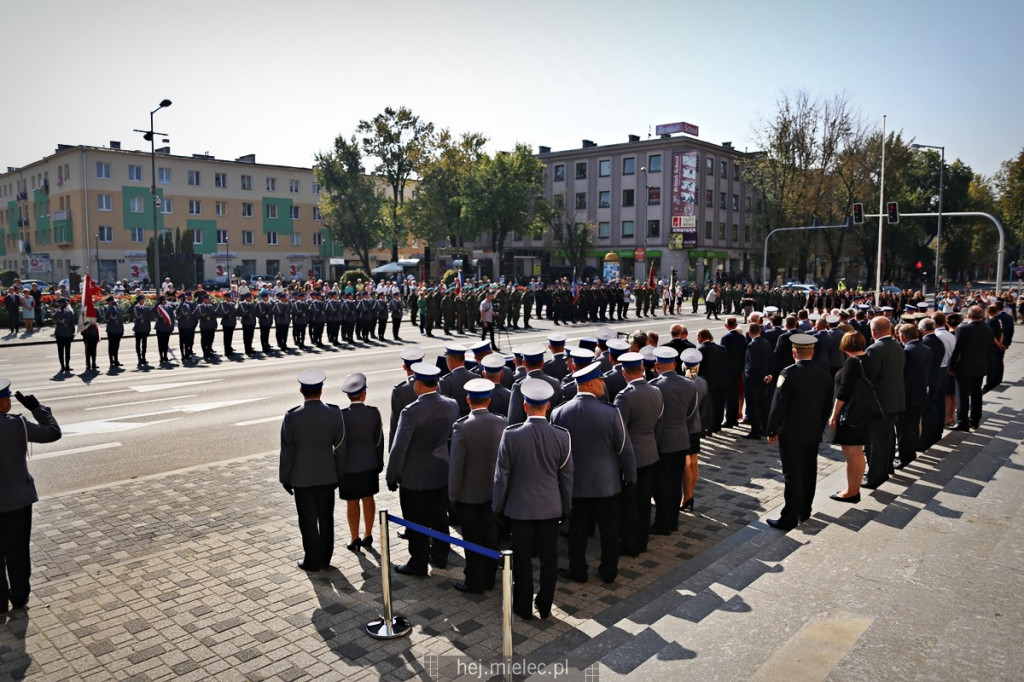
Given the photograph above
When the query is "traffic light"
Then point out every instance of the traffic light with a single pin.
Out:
(858, 214)
(893, 208)
(918, 265)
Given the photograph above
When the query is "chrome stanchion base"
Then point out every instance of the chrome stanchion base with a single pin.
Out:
(380, 628)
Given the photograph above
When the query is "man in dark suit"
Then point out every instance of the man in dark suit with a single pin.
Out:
(883, 366)
(783, 355)
(605, 460)
(757, 374)
(533, 360)
(312, 463)
(969, 362)
(712, 368)
(419, 464)
(1000, 342)
(916, 380)
(18, 491)
(934, 415)
(735, 345)
(800, 409)
(641, 407)
(679, 342)
(474, 453)
(533, 481)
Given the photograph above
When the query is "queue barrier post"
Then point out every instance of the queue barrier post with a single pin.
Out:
(506, 612)
(388, 626)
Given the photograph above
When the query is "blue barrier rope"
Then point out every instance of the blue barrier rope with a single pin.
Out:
(489, 553)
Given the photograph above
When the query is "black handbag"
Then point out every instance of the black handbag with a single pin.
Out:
(863, 406)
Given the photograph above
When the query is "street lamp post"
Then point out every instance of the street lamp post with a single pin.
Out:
(151, 136)
(639, 275)
(942, 177)
(227, 259)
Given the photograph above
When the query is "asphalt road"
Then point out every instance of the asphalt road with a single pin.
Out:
(120, 426)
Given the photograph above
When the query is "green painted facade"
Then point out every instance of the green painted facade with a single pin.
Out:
(144, 219)
(41, 215)
(283, 223)
(12, 219)
(63, 231)
(207, 228)
(329, 248)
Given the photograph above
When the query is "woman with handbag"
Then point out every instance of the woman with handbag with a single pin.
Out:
(855, 406)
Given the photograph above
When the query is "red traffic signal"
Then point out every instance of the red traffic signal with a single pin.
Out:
(893, 209)
(918, 265)
(858, 214)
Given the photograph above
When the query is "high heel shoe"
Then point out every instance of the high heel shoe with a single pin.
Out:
(367, 541)
(354, 547)
(852, 499)
(686, 505)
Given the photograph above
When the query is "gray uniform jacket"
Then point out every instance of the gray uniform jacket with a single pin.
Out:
(17, 487)
(312, 445)
(556, 367)
(614, 382)
(474, 454)
(680, 399)
(641, 407)
(114, 319)
(500, 397)
(604, 453)
(402, 396)
(364, 438)
(141, 316)
(419, 451)
(516, 413)
(453, 385)
(533, 478)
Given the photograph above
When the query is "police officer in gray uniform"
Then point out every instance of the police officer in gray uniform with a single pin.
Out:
(141, 317)
(419, 464)
(641, 407)
(482, 349)
(494, 370)
(115, 330)
(227, 311)
(207, 316)
(312, 463)
(452, 384)
(185, 313)
(533, 482)
(613, 379)
(364, 460)
(556, 367)
(247, 314)
(474, 453)
(18, 491)
(64, 333)
(680, 399)
(403, 393)
(604, 462)
(265, 317)
(533, 359)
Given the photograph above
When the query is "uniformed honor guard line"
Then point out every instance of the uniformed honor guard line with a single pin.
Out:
(390, 626)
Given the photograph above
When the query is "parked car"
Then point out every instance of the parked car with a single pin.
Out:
(26, 284)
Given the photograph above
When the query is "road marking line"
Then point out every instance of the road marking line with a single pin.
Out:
(259, 421)
(75, 451)
(89, 395)
(139, 402)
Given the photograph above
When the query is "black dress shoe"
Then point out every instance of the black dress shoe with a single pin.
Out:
(852, 499)
(439, 564)
(525, 615)
(462, 587)
(780, 524)
(753, 436)
(564, 572)
(306, 567)
(961, 427)
(406, 569)
(655, 530)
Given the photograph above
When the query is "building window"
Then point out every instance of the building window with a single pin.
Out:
(197, 237)
(164, 176)
(246, 182)
(653, 196)
(318, 239)
(721, 232)
(721, 200)
(709, 197)
(135, 205)
(193, 178)
(220, 180)
(295, 212)
(247, 237)
(246, 209)
(103, 202)
(560, 172)
(654, 163)
(604, 168)
(746, 204)
(106, 233)
(709, 165)
(296, 239)
(709, 231)
(271, 184)
(137, 235)
(628, 197)
(167, 206)
(735, 202)
(271, 238)
(316, 189)
(195, 207)
(604, 199)
(581, 170)
(102, 170)
(629, 165)
(293, 186)
(316, 213)
(220, 208)
(653, 229)
(222, 237)
(581, 200)
(725, 169)
(135, 173)
(604, 230)
(271, 211)
(627, 229)
(736, 171)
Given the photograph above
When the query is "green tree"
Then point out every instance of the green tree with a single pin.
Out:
(1009, 184)
(402, 143)
(350, 206)
(436, 212)
(503, 193)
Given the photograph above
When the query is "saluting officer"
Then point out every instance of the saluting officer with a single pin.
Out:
(533, 482)
(419, 464)
(605, 462)
(364, 460)
(312, 464)
(115, 330)
(474, 453)
(799, 413)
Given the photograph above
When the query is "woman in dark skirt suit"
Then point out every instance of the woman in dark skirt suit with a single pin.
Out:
(364, 460)
(851, 437)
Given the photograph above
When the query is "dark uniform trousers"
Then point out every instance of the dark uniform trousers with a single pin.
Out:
(428, 508)
(635, 515)
(909, 424)
(15, 530)
(163, 344)
(315, 506)
(113, 345)
(800, 469)
(528, 538)
(265, 338)
(668, 489)
(585, 512)
(968, 400)
(248, 332)
(934, 416)
(479, 527)
(881, 448)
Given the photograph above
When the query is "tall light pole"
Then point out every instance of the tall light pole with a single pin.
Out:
(151, 136)
(639, 276)
(942, 177)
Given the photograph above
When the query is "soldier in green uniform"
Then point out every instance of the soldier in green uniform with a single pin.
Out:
(527, 307)
(448, 311)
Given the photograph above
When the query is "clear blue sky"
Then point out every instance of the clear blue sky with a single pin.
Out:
(282, 79)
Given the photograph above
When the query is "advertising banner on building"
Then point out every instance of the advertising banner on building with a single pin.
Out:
(611, 271)
(684, 198)
(39, 264)
(138, 269)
